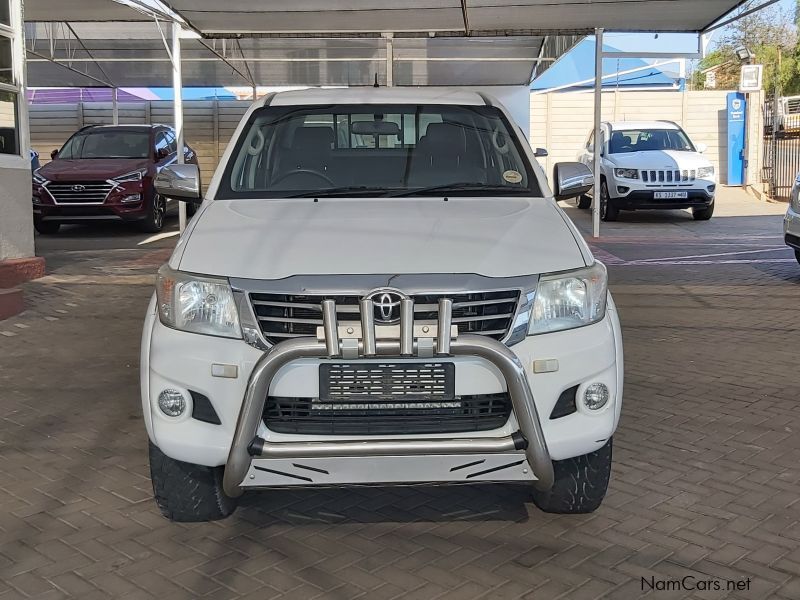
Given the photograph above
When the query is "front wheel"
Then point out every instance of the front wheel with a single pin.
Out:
(187, 492)
(608, 212)
(703, 214)
(580, 483)
(154, 221)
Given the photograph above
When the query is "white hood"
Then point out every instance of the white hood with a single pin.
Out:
(659, 160)
(273, 239)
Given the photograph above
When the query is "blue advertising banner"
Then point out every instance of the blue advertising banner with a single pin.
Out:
(737, 122)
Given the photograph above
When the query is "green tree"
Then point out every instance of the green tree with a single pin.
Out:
(771, 35)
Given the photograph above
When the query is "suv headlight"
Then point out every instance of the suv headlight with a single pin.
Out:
(627, 173)
(705, 172)
(569, 300)
(132, 176)
(38, 179)
(196, 304)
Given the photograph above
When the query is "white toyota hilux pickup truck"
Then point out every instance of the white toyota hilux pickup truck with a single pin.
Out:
(379, 288)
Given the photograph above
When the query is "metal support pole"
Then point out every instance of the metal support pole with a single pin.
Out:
(598, 115)
(114, 107)
(177, 104)
(389, 59)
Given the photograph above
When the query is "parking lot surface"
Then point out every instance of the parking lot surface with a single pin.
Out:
(705, 485)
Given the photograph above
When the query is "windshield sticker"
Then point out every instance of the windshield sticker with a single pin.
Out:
(512, 176)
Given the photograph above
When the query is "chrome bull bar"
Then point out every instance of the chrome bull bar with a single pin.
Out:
(445, 341)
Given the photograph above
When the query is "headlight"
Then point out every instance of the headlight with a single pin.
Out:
(38, 179)
(196, 304)
(705, 172)
(569, 300)
(627, 173)
(132, 176)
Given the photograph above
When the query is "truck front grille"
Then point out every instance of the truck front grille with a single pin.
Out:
(406, 415)
(79, 192)
(669, 176)
(283, 316)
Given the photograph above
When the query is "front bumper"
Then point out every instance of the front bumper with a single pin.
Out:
(646, 199)
(258, 457)
(45, 208)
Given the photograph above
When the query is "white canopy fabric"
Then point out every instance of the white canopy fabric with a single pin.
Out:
(135, 55)
(329, 42)
(543, 16)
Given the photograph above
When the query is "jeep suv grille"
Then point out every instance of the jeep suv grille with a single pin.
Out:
(669, 176)
(79, 192)
(283, 316)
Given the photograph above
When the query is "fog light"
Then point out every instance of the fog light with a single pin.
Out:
(596, 396)
(132, 198)
(623, 189)
(171, 403)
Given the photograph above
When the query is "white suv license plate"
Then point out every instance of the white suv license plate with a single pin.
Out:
(671, 195)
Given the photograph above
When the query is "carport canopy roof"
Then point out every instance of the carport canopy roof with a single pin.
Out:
(329, 42)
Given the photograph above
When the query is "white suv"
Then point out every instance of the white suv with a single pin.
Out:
(650, 165)
(379, 288)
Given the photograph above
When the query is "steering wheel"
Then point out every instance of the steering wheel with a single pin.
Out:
(311, 172)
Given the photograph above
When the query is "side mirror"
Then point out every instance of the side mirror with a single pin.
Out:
(54, 153)
(541, 153)
(701, 148)
(180, 182)
(571, 179)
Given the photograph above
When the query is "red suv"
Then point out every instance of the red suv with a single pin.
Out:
(106, 172)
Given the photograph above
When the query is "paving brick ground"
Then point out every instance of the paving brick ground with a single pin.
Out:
(706, 479)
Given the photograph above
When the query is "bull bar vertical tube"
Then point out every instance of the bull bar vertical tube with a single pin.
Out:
(331, 327)
(368, 327)
(443, 327)
(406, 327)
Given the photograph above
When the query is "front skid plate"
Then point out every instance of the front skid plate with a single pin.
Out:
(280, 472)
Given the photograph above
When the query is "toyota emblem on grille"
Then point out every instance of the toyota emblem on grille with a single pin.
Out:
(78, 187)
(386, 305)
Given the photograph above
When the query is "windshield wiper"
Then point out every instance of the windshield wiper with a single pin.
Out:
(348, 190)
(459, 187)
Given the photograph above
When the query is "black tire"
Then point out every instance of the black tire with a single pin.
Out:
(608, 212)
(580, 483)
(703, 214)
(154, 221)
(584, 201)
(797, 255)
(46, 227)
(188, 493)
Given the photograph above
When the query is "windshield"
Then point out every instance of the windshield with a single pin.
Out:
(377, 150)
(635, 140)
(107, 143)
